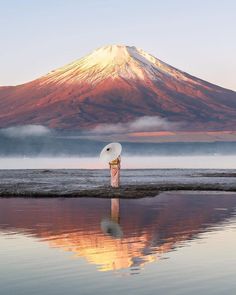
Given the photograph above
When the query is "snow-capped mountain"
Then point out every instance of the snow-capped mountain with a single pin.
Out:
(117, 84)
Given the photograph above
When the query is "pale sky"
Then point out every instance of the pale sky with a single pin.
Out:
(195, 36)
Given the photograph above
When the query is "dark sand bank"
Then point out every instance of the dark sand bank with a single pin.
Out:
(95, 183)
(124, 192)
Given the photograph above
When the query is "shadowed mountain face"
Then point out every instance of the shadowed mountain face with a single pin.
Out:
(141, 231)
(118, 84)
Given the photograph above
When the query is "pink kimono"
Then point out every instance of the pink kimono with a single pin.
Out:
(115, 172)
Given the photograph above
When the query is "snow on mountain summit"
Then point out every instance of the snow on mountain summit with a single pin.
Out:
(112, 61)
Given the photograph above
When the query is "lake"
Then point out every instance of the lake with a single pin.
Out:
(174, 243)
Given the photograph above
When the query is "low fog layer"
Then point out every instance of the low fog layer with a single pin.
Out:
(127, 162)
(142, 124)
(36, 140)
(25, 131)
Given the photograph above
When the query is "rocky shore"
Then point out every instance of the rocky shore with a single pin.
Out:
(135, 184)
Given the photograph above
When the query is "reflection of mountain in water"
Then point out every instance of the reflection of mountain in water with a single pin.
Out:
(150, 226)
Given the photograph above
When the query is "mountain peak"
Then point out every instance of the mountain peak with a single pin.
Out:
(116, 62)
(111, 54)
(111, 61)
(114, 48)
(117, 83)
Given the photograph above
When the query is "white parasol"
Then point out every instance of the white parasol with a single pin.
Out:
(111, 152)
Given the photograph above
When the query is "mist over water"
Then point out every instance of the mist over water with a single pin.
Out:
(37, 147)
(128, 162)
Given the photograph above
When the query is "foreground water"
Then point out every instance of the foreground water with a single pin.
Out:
(175, 243)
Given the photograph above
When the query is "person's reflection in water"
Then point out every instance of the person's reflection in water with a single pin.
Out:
(111, 226)
(115, 210)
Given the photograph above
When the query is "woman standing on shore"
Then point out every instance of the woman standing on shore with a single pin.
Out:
(110, 154)
(115, 172)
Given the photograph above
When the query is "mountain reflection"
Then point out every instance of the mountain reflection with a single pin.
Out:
(117, 234)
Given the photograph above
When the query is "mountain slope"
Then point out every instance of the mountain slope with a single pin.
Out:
(117, 84)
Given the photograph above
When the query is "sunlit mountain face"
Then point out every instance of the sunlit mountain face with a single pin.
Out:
(117, 234)
(118, 84)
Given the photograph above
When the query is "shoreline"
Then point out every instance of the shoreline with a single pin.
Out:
(96, 184)
(124, 192)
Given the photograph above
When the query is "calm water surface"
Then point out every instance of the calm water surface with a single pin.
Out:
(175, 243)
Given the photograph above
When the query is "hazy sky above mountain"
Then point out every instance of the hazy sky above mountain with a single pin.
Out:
(195, 36)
